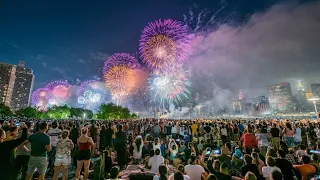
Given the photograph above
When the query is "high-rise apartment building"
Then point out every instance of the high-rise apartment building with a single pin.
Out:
(7, 78)
(23, 86)
(315, 88)
(280, 97)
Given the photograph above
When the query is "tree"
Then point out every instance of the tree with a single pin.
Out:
(5, 110)
(81, 113)
(29, 112)
(112, 111)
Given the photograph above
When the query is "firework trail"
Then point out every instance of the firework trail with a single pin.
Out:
(164, 43)
(206, 21)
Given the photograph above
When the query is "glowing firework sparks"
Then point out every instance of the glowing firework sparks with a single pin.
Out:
(91, 94)
(119, 74)
(60, 92)
(164, 43)
(40, 98)
(170, 85)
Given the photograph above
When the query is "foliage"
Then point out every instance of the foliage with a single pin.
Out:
(112, 111)
(29, 112)
(5, 110)
(81, 113)
(59, 112)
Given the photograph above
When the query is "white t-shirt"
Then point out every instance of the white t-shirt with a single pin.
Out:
(224, 132)
(267, 171)
(171, 177)
(54, 135)
(155, 162)
(194, 171)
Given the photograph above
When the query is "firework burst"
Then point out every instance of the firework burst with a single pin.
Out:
(164, 43)
(170, 85)
(119, 74)
(39, 98)
(60, 92)
(91, 94)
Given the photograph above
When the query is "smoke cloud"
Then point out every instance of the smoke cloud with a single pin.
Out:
(281, 44)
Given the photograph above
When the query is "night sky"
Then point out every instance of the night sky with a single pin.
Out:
(71, 39)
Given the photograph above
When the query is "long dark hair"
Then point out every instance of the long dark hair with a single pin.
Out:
(138, 144)
(163, 172)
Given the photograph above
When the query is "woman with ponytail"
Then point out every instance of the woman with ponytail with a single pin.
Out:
(163, 173)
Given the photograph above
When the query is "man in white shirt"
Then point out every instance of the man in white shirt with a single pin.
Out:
(155, 161)
(195, 171)
(54, 134)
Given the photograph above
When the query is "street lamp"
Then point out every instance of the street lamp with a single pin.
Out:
(314, 100)
(84, 115)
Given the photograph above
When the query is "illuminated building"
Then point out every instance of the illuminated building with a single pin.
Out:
(301, 92)
(7, 78)
(237, 107)
(240, 95)
(308, 95)
(23, 86)
(315, 88)
(280, 97)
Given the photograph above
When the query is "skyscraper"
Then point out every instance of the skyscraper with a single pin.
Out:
(315, 88)
(23, 86)
(7, 78)
(280, 97)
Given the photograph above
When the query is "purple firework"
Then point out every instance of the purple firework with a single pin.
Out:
(90, 84)
(121, 59)
(164, 43)
(40, 96)
(53, 84)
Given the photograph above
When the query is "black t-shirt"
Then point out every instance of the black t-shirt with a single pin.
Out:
(250, 167)
(275, 132)
(109, 133)
(221, 175)
(286, 168)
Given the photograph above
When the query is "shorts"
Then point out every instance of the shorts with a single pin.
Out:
(65, 161)
(84, 155)
(37, 163)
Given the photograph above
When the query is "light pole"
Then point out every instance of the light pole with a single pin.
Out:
(314, 100)
(84, 115)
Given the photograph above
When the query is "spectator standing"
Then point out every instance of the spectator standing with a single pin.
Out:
(249, 141)
(288, 135)
(109, 134)
(120, 146)
(85, 144)
(23, 156)
(40, 145)
(54, 134)
(6, 153)
(63, 156)
(275, 136)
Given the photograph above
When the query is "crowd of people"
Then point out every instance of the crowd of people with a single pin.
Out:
(160, 149)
